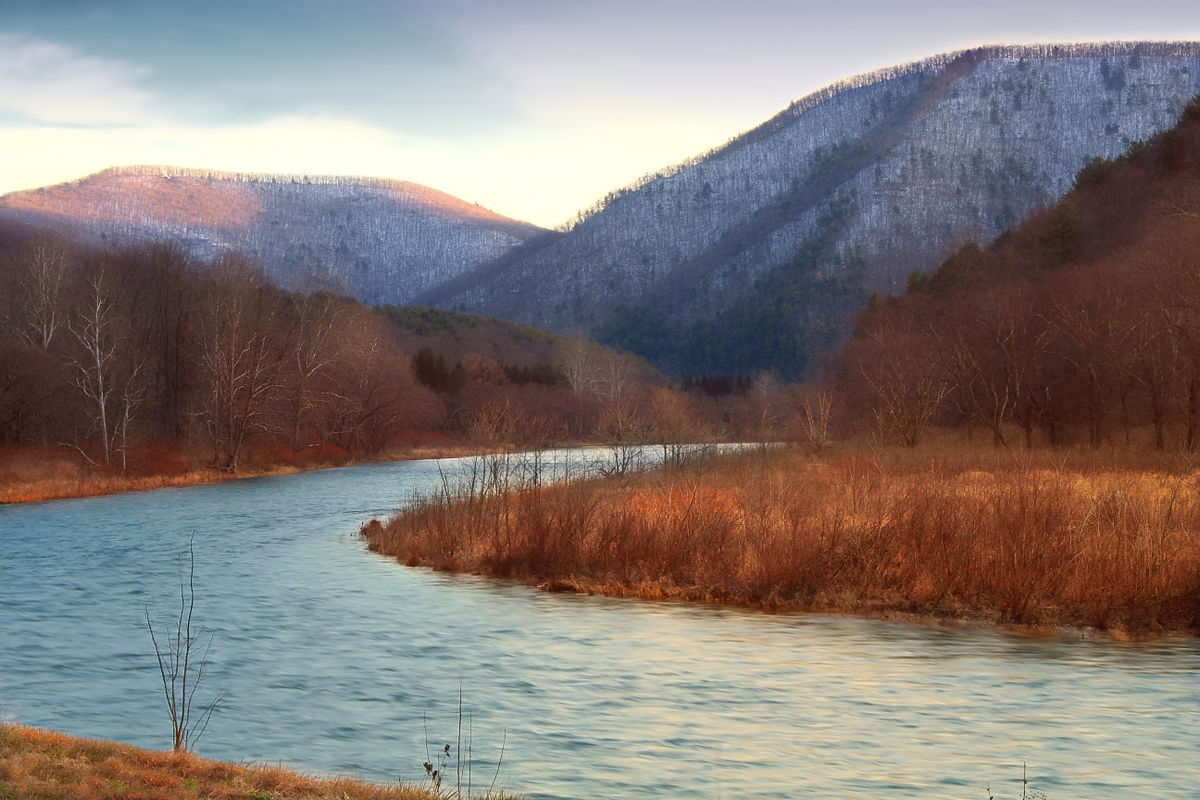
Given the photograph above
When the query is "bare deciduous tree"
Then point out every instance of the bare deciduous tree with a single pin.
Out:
(614, 384)
(1091, 327)
(102, 370)
(182, 659)
(675, 424)
(764, 402)
(365, 397)
(315, 348)
(581, 365)
(816, 415)
(987, 352)
(904, 390)
(42, 270)
(240, 355)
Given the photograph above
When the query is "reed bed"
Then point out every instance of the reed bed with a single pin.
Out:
(1039, 541)
(43, 765)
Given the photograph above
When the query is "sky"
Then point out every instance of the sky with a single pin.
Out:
(532, 108)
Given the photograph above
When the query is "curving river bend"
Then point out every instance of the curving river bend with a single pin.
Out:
(334, 660)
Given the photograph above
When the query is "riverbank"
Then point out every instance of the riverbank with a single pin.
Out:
(38, 764)
(1042, 541)
(35, 474)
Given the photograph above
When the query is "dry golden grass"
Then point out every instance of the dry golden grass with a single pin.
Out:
(44, 765)
(37, 475)
(33, 474)
(73, 481)
(1043, 540)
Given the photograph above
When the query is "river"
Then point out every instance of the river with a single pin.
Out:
(333, 660)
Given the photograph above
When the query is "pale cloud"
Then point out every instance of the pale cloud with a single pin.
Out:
(543, 179)
(534, 108)
(65, 114)
(44, 82)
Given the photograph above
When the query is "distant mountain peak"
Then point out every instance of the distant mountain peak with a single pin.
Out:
(402, 191)
(380, 239)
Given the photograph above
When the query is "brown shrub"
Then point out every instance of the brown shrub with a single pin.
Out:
(1009, 538)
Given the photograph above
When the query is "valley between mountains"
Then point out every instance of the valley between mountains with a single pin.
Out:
(753, 256)
(923, 347)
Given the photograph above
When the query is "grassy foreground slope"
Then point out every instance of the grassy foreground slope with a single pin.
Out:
(44, 765)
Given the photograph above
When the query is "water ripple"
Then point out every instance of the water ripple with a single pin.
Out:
(332, 659)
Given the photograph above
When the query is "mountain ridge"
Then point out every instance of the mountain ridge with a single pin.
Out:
(1179, 48)
(380, 239)
(752, 255)
(980, 137)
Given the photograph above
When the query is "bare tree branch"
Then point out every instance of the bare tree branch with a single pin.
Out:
(180, 667)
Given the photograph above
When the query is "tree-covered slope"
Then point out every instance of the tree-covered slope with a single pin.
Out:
(1081, 323)
(381, 241)
(756, 254)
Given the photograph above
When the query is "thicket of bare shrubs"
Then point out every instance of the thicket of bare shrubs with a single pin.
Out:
(1032, 540)
(1080, 324)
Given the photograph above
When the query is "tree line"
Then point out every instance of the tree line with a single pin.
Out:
(1081, 324)
(103, 349)
(131, 356)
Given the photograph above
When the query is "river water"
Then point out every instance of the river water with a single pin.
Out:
(334, 660)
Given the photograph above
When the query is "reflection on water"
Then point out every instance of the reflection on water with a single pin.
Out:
(329, 657)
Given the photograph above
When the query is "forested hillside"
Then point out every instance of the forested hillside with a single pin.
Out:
(757, 254)
(125, 366)
(144, 358)
(380, 241)
(1080, 324)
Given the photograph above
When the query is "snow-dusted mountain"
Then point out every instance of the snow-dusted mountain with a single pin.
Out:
(382, 241)
(754, 255)
(757, 253)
